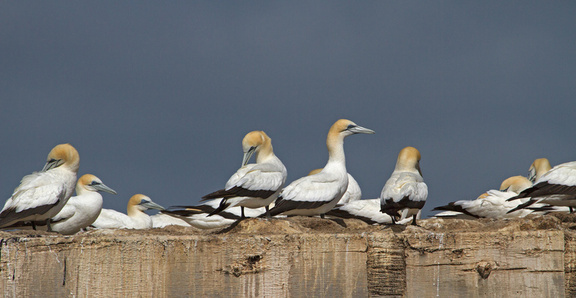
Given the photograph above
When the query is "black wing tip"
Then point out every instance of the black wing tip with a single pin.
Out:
(215, 195)
(513, 198)
(522, 206)
(223, 205)
(444, 208)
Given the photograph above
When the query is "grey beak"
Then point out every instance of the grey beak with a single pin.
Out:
(360, 129)
(152, 205)
(102, 187)
(248, 155)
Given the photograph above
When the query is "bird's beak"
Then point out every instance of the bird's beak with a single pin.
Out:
(360, 129)
(105, 188)
(248, 155)
(152, 205)
(51, 164)
(532, 175)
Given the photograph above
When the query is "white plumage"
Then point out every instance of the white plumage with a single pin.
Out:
(41, 195)
(365, 210)
(84, 208)
(319, 193)
(492, 204)
(353, 191)
(197, 216)
(405, 192)
(135, 219)
(253, 185)
(555, 187)
(162, 220)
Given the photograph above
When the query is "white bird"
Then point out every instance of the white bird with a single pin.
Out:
(84, 208)
(556, 187)
(197, 216)
(515, 184)
(162, 220)
(353, 191)
(136, 218)
(79, 212)
(365, 210)
(538, 168)
(405, 192)
(491, 204)
(253, 185)
(319, 193)
(41, 195)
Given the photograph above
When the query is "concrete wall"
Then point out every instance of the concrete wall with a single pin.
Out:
(295, 258)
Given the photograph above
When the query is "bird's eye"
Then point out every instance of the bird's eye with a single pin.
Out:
(95, 183)
(53, 160)
(350, 126)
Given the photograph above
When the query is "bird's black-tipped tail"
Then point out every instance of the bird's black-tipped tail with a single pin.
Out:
(452, 206)
(513, 198)
(214, 195)
(522, 206)
(223, 205)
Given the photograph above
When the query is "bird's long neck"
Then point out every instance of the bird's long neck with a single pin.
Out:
(133, 211)
(335, 144)
(80, 190)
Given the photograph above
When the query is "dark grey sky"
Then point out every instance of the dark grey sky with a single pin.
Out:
(157, 96)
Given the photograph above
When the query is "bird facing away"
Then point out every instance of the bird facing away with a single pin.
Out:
(136, 218)
(253, 185)
(319, 193)
(515, 184)
(197, 216)
(556, 187)
(491, 204)
(405, 192)
(538, 168)
(41, 195)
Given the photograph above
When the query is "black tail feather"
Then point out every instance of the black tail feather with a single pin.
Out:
(522, 206)
(223, 205)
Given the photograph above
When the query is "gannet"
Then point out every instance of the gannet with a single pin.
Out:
(41, 195)
(162, 220)
(365, 210)
(515, 184)
(353, 191)
(82, 209)
(197, 216)
(253, 185)
(538, 168)
(319, 193)
(491, 204)
(136, 218)
(556, 187)
(405, 192)
(454, 214)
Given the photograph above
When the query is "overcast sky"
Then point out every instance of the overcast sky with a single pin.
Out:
(157, 96)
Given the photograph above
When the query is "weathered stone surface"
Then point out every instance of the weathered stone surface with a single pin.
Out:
(503, 264)
(299, 257)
